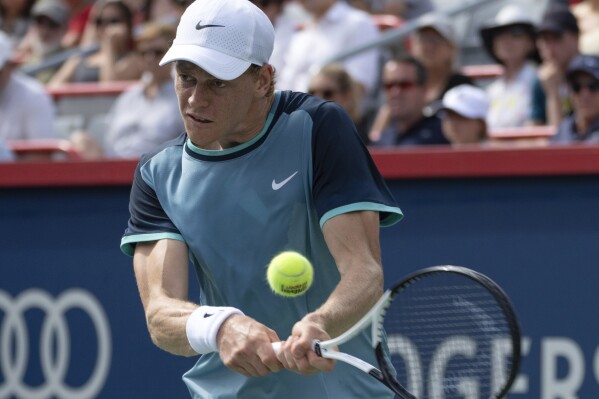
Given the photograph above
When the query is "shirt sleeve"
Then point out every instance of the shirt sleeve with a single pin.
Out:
(148, 221)
(345, 178)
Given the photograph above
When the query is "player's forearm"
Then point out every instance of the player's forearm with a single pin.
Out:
(355, 294)
(166, 319)
(353, 240)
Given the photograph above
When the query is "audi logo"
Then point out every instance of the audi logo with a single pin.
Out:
(54, 345)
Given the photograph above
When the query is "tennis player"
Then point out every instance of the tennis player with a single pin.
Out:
(257, 172)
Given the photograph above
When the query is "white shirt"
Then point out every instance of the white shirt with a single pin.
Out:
(340, 29)
(510, 102)
(138, 124)
(26, 110)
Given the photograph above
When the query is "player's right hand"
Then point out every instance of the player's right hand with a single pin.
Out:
(245, 346)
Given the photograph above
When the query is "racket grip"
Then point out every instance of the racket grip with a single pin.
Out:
(276, 346)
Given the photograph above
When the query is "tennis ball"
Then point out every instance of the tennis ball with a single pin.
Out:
(289, 274)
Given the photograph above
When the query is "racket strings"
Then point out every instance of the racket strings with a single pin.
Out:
(448, 338)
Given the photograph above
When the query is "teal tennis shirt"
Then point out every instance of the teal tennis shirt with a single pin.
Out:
(237, 208)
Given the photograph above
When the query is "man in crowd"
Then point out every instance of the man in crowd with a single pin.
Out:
(583, 123)
(404, 82)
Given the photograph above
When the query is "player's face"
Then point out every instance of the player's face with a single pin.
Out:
(221, 114)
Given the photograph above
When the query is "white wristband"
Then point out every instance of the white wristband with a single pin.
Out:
(203, 324)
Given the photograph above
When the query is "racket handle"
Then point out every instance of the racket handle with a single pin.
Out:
(276, 346)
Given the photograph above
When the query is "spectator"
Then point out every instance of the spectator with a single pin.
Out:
(80, 11)
(112, 25)
(26, 110)
(44, 40)
(334, 27)
(334, 83)
(587, 16)
(147, 114)
(510, 41)
(434, 44)
(583, 80)
(404, 81)
(284, 26)
(557, 41)
(15, 16)
(464, 113)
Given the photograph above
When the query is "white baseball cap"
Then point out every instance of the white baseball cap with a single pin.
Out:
(223, 37)
(441, 23)
(467, 100)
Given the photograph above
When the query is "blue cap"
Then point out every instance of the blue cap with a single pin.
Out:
(584, 63)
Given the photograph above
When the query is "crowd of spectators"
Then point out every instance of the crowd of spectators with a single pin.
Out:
(411, 93)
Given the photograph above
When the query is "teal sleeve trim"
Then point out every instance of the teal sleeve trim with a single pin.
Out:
(391, 214)
(128, 242)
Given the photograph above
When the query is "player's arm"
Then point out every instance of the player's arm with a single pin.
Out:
(353, 240)
(161, 270)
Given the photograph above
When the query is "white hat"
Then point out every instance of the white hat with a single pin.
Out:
(467, 100)
(56, 10)
(441, 23)
(223, 37)
(5, 49)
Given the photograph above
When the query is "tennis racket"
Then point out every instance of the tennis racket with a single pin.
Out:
(444, 332)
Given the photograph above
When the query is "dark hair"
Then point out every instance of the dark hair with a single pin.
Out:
(123, 9)
(421, 75)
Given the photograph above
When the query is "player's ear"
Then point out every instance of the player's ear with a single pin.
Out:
(264, 80)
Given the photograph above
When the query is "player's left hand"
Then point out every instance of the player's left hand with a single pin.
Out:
(296, 352)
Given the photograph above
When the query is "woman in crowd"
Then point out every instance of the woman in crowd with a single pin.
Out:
(111, 28)
(334, 83)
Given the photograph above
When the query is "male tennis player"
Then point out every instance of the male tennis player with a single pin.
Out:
(257, 172)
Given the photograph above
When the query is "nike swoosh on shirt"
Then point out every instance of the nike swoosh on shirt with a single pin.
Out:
(200, 26)
(276, 186)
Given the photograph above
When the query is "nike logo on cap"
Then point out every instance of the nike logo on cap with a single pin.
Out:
(276, 186)
(200, 26)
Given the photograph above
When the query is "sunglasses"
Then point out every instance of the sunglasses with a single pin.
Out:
(108, 21)
(323, 93)
(154, 52)
(399, 84)
(592, 85)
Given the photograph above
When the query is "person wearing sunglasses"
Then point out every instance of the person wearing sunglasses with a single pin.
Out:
(583, 81)
(145, 115)
(44, 38)
(110, 27)
(404, 83)
(334, 83)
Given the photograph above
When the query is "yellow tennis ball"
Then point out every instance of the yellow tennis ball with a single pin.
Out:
(289, 274)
